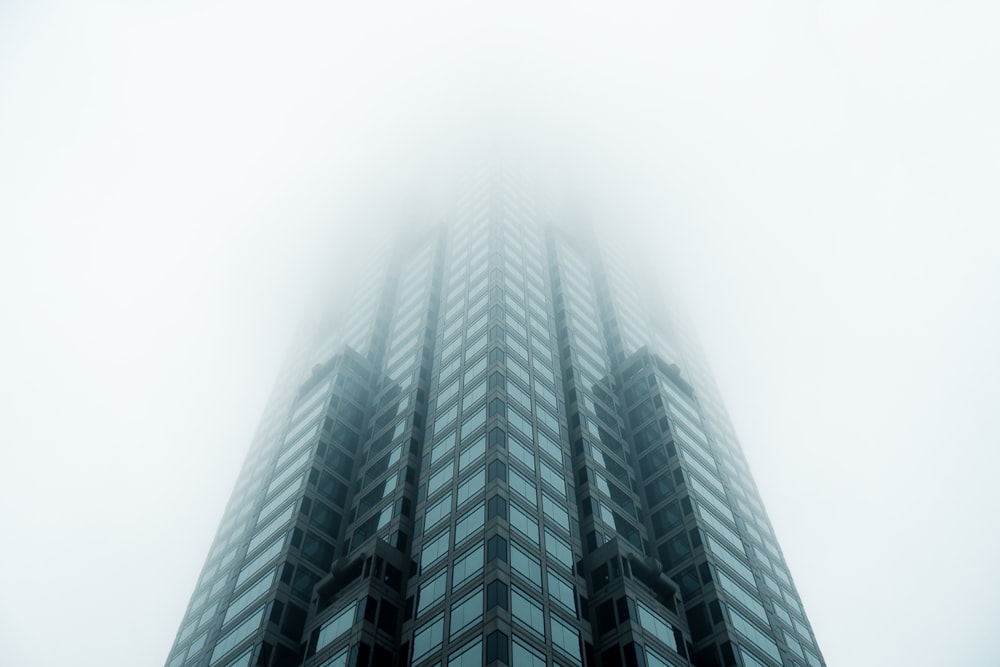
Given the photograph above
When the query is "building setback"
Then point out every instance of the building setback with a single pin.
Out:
(500, 454)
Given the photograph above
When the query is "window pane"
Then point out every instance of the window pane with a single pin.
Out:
(431, 591)
(467, 566)
(466, 612)
(468, 656)
(525, 565)
(527, 613)
(428, 638)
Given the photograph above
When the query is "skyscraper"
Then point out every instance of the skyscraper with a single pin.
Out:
(502, 452)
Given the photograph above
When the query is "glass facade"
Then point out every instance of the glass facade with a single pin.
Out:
(500, 452)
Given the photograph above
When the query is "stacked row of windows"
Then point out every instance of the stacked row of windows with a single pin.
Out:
(609, 485)
(382, 477)
(471, 599)
(522, 514)
(610, 502)
(730, 551)
(464, 339)
(313, 498)
(285, 482)
(759, 546)
(439, 462)
(405, 345)
(318, 520)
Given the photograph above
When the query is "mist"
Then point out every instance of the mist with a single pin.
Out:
(813, 184)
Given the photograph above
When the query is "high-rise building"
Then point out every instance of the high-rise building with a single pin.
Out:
(502, 452)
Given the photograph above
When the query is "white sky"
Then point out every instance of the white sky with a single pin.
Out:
(817, 181)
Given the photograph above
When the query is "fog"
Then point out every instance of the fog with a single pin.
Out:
(814, 182)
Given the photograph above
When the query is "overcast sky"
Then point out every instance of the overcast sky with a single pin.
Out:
(816, 181)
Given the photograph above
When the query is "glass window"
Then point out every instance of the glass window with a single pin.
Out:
(550, 447)
(565, 638)
(741, 595)
(725, 531)
(558, 550)
(496, 547)
(271, 528)
(519, 421)
(475, 369)
(708, 496)
(444, 395)
(496, 648)
(545, 417)
(526, 612)
(475, 326)
(756, 637)
(466, 612)
(434, 549)
(199, 642)
(315, 396)
(428, 638)
(654, 659)
(553, 477)
(471, 453)
(525, 655)
(451, 347)
(237, 635)
(431, 591)
(445, 419)
(519, 396)
(470, 524)
(729, 558)
(338, 660)
(561, 591)
(437, 512)
(290, 470)
(439, 479)
(554, 510)
(470, 487)
(450, 368)
(524, 524)
(496, 507)
(478, 343)
(467, 566)
(790, 641)
(547, 394)
(336, 626)
(443, 447)
(453, 327)
(470, 655)
(249, 596)
(496, 595)
(542, 369)
(523, 487)
(258, 563)
(780, 612)
(703, 470)
(654, 624)
(472, 423)
(299, 434)
(526, 565)
(519, 452)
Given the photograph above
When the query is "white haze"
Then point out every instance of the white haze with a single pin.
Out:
(815, 180)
